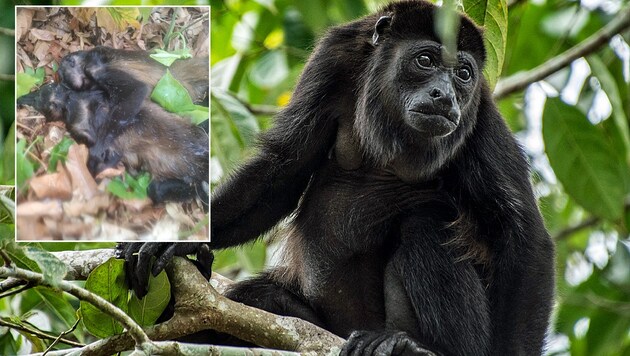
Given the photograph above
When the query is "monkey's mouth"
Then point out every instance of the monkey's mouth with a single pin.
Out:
(432, 124)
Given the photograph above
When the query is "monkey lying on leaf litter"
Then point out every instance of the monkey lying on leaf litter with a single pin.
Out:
(103, 99)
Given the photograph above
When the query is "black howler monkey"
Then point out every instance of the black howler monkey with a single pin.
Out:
(169, 147)
(104, 66)
(415, 224)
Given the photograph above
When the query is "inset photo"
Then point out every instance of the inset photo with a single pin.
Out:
(112, 123)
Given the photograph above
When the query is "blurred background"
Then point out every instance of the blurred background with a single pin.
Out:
(573, 126)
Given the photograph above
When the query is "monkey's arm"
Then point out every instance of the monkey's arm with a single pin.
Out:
(522, 285)
(269, 186)
(125, 92)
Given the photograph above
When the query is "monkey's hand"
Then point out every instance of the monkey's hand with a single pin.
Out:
(386, 342)
(137, 256)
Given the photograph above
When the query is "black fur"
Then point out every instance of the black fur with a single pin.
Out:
(169, 147)
(414, 222)
(104, 68)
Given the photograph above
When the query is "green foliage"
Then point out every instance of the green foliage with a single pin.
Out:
(108, 281)
(131, 187)
(53, 270)
(584, 161)
(27, 80)
(59, 153)
(173, 97)
(492, 15)
(25, 168)
(147, 310)
(167, 58)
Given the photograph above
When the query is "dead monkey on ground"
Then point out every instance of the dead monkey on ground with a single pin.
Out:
(103, 100)
(103, 66)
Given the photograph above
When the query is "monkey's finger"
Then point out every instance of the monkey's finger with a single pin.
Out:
(143, 266)
(128, 251)
(165, 256)
(205, 257)
(370, 349)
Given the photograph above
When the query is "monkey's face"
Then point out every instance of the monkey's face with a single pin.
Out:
(434, 87)
(50, 100)
(72, 71)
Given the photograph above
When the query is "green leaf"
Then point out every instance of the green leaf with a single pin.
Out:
(59, 153)
(108, 281)
(492, 15)
(243, 123)
(583, 160)
(52, 268)
(25, 167)
(27, 80)
(167, 58)
(621, 133)
(198, 115)
(147, 310)
(270, 70)
(171, 94)
(130, 187)
(8, 157)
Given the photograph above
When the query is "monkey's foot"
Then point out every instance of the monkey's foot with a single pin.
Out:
(382, 343)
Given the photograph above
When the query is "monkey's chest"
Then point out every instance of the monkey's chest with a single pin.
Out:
(351, 209)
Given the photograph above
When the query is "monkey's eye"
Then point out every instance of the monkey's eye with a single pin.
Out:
(70, 61)
(424, 61)
(463, 73)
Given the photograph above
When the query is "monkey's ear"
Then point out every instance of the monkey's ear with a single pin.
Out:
(379, 29)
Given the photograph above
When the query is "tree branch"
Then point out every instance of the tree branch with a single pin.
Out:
(563, 234)
(521, 80)
(38, 333)
(178, 348)
(7, 31)
(199, 307)
(134, 329)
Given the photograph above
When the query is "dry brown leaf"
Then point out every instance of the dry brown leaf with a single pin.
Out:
(83, 185)
(23, 21)
(83, 14)
(52, 186)
(110, 172)
(32, 228)
(92, 206)
(43, 35)
(136, 205)
(41, 51)
(40, 208)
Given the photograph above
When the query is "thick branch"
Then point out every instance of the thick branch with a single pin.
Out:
(199, 307)
(521, 80)
(173, 348)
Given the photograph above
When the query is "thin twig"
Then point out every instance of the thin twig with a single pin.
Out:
(520, 81)
(60, 337)
(563, 234)
(27, 286)
(11, 283)
(6, 258)
(7, 31)
(40, 334)
(7, 77)
(135, 331)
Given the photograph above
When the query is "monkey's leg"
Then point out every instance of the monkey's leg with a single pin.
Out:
(268, 293)
(176, 190)
(433, 300)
